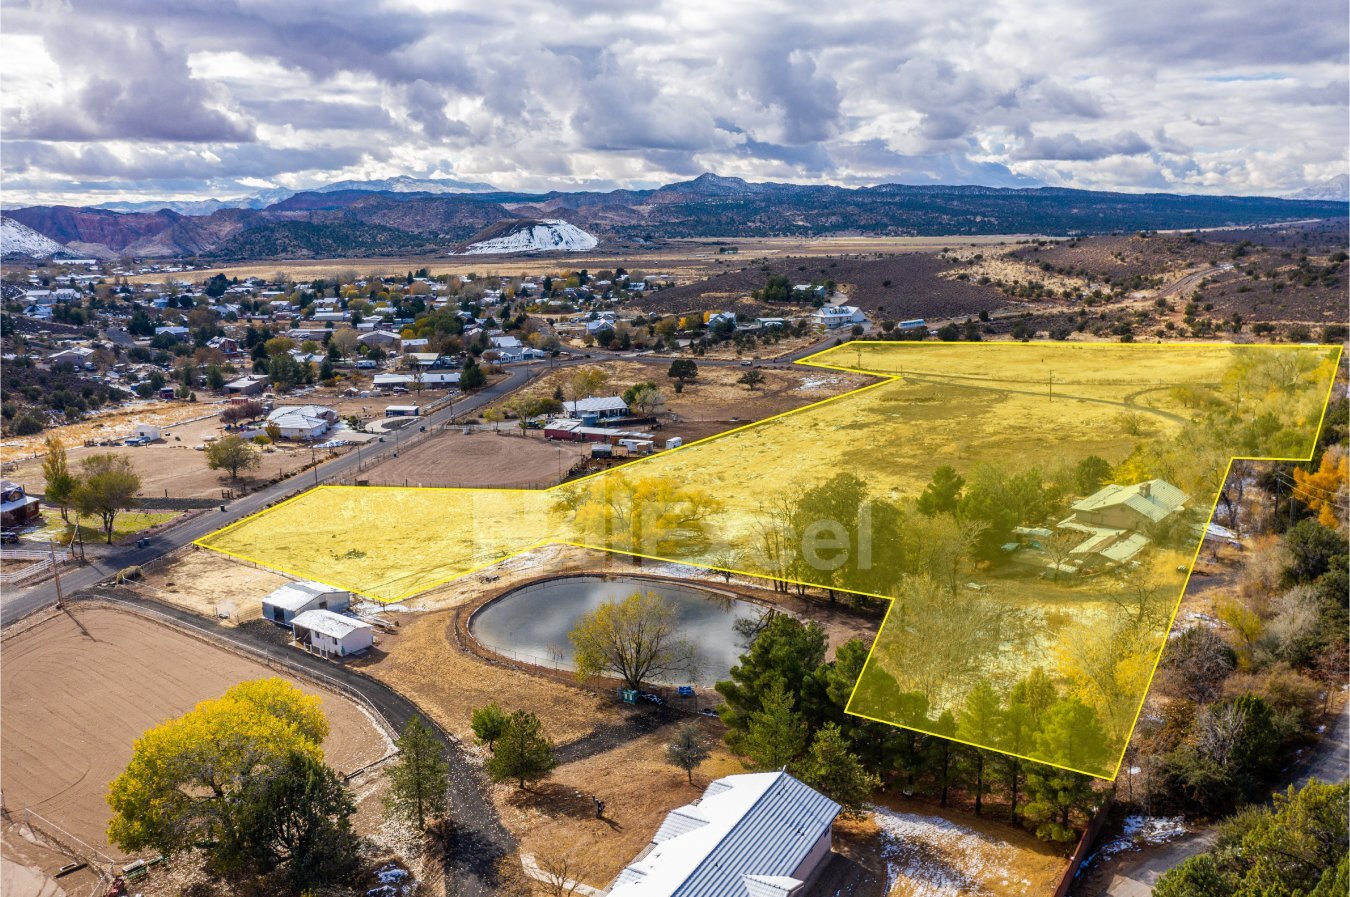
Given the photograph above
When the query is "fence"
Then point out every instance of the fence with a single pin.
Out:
(268, 660)
(1085, 844)
(98, 861)
(42, 562)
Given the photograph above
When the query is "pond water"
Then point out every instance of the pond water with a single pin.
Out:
(531, 623)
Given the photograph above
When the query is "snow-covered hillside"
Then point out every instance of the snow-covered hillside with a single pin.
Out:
(19, 239)
(1336, 189)
(553, 235)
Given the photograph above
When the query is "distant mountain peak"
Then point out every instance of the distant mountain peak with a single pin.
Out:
(711, 184)
(1335, 189)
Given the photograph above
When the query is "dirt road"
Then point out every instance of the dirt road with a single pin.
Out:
(1136, 873)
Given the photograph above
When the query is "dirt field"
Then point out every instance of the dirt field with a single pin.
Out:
(172, 468)
(79, 688)
(504, 460)
(118, 423)
(556, 818)
(212, 585)
(931, 852)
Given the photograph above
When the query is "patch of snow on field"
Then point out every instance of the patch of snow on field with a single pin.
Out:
(1140, 831)
(927, 856)
(818, 382)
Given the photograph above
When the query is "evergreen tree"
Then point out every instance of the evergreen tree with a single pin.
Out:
(523, 752)
(488, 724)
(775, 734)
(419, 780)
(832, 770)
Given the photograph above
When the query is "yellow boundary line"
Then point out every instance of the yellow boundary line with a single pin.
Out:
(1336, 352)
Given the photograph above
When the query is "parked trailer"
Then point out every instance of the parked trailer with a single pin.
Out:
(913, 324)
(403, 411)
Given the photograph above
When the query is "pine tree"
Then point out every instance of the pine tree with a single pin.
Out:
(831, 769)
(775, 734)
(488, 724)
(419, 781)
(523, 752)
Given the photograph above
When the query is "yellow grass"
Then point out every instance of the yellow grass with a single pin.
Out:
(1019, 406)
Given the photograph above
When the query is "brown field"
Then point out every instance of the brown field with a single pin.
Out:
(714, 402)
(682, 257)
(210, 584)
(80, 687)
(901, 286)
(172, 468)
(115, 424)
(504, 460)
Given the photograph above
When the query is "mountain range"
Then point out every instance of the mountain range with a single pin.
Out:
(404, 216)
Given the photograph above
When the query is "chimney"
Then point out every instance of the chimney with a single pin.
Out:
(1145, 489)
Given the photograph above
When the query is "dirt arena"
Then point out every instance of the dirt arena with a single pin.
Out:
(504, 460)
(79, 688)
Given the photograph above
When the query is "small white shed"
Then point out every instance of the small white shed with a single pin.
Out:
(294, 598)
(147, 431)
(333, 635)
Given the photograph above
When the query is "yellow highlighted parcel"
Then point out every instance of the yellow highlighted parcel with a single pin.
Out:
(1031, 513)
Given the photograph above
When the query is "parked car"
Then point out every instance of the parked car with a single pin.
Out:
(9, 537)
(651, 698)
(708, 711)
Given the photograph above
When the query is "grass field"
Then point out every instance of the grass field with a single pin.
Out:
(1150, 411)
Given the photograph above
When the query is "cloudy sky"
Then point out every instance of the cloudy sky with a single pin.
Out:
(165, 99)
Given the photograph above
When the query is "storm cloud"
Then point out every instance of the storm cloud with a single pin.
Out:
(155, 99)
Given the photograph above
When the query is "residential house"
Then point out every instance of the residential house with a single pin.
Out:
(831, 316)
(385, 339)
(250, 385)
(761, 834)
(76, 356)
(304, 422)
(17, 507)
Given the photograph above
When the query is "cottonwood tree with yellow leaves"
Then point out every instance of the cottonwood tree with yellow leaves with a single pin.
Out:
(651, 516)
(244, 775)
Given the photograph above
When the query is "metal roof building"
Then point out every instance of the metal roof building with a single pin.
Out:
(757, 835)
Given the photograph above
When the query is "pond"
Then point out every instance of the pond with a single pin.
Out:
(531, 623)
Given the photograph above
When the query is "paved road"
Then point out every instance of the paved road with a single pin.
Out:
(478, 841)
(1137, 873)
(21, 602)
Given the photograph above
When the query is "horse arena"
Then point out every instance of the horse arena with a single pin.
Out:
(80, 687)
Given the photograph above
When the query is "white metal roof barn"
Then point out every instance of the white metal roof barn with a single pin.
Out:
(758, 835)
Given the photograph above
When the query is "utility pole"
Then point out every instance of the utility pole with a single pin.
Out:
(314, 462)
(56, 570)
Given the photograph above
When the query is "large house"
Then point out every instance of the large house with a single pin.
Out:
(758, 835)
(332, 634)
(831, 316)
(302, 421)
(1115, 523)
(1134, 507)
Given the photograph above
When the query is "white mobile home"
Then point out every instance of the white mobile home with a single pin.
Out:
(284, 604)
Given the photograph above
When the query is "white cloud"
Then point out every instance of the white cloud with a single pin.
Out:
(198, 95)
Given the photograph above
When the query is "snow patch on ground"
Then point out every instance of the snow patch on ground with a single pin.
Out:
(544, 236)
(818, 382)
(1140, 831)
(927, 856)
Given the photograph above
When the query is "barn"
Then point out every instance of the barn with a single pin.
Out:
(294, 598)
(332, 635)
